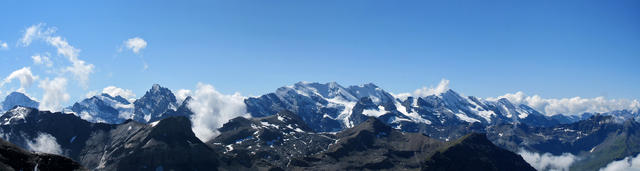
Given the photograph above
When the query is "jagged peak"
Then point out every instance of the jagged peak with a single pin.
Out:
(156, 87)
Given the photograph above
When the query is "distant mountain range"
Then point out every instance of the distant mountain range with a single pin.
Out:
(274, 142)
(313, 126)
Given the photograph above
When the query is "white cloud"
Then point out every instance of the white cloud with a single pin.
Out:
(35, 32)
(45, 143)
(116, 91)
(55, 94)
(547, 161)
(79, 68)
(24, 75)
(442, 87)
(212, 109)
(4, 45)
(626, 164)
(574, 105)
(182, 94)
(42, 60)
(135, 44)
(91, 94)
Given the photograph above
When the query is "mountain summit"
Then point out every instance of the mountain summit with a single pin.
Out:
(331, 107)
(18, 99)
(154, 104)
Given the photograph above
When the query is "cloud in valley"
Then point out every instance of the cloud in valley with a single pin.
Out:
(626, 164)
(45, 143)
(548, 161)
(212, 109)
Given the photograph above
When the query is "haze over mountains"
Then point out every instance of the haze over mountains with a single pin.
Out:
(316, 126)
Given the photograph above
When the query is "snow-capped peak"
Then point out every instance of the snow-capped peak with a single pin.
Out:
(18, 99)
(16, 115)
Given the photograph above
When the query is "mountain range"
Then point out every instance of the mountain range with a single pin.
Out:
(314, 126)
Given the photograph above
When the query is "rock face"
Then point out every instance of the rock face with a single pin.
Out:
(280, 141)
(154, 104)
(158, 103)
(475, 152)
(104, 108)
(374, 145)
(169, 144)
(166, 144)
(269, 142)
(14, 158)
(331, 107)
(18, 99)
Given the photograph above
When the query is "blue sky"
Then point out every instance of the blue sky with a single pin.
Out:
(486, 49)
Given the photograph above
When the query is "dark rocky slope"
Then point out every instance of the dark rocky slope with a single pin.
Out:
(14, 158)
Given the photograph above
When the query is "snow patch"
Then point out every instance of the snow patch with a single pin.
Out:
(375, 112)
(466, 118)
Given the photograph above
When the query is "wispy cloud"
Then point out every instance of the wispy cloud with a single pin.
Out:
(42, 60)
(79, 69)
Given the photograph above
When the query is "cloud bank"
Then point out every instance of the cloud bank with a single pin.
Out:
(547, 161)
(55, 94)
(626, 164)
(574, 105)
(45, 143)
(212, 109)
